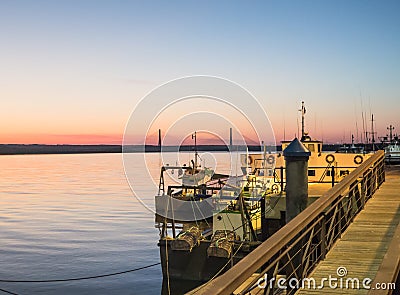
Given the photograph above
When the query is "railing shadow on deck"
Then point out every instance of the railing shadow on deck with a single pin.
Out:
(294, 250)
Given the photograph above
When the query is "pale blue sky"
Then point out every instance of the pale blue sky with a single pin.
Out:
(79, 67)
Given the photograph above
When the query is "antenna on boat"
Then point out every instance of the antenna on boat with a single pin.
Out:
(284, 129)
(356, 121)
(364, 134)
(194, 136)
(303, 112)
(322, 131)
(315, 123)
(372, 132)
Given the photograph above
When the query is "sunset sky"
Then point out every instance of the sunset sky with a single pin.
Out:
(72, 71)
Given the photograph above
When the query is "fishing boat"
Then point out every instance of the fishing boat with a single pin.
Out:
(207, 226)
(209, 221)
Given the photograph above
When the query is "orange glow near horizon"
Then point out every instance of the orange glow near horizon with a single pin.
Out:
(330, 134)
(61, 139)
(116, 139)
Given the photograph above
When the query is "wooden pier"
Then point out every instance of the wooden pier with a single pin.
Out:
(354, 225)
(363, 246)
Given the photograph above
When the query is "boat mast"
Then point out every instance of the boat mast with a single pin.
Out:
(303, 112)
(194, 136)
(390, 128)
(372, 132)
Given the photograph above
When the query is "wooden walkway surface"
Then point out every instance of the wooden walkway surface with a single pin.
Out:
(365, 242)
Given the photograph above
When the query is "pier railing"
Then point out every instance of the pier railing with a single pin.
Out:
(293, 251)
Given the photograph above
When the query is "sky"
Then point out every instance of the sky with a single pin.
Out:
(72, 72)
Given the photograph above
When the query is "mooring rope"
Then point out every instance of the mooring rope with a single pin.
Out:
(8, 292)
(80, 278)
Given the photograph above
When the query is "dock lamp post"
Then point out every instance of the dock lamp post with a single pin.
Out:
(296, 159)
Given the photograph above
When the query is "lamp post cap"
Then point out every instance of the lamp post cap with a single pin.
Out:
(296, 149)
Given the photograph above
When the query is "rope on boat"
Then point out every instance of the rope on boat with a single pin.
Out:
(268, 211)
(166, 250)
(79, 278)
(8, 292)
(201, 212)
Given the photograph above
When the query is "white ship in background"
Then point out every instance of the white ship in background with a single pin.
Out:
(392, 148)
(323, 166)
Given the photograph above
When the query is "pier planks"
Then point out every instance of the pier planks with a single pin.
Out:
(365, 243)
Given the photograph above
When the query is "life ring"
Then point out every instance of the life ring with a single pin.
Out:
(358, 159)
(330, 159)
(271, 159)
(274, 188)
(249, 160)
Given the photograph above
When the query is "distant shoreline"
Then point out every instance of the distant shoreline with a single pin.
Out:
(29, 149)
(37, 149)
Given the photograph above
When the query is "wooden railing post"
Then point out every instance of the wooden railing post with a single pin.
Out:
(323, 237)
(340, 208)
(369, 184)
(363, 191)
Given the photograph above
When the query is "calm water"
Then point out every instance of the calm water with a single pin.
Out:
(67, 216)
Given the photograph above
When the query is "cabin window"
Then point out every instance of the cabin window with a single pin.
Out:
(311, 172)
(344, 172)
(328, 173)
(311, 148)
(319, 148)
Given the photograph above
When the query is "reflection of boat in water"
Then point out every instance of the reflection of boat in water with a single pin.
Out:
(207, 226)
